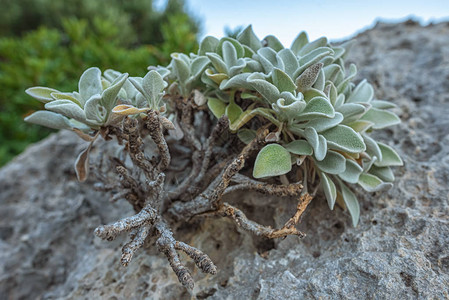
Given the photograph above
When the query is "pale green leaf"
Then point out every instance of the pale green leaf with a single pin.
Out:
(329, 189)
(360, 125)
(381, 118)
(246, 135)
(299, 42)
(312, 58)
(273, 43)
(266, 89)
(389, 157)
(216, 106)
(49, 119)
(95, 112)
(181, 69)
(229, 54)
(371, 183)
(90, 83)
(316, 108)
(237, 45)
(318, 143)
(321, 42)
(249, 38)
(153, 85)
(364, 92)
(43, 94)
(290, 61)
(208, 44)
(66, 108)
(382, 104)
(352, 172)
(198, 66)
(384, 173)
(351, 203)
(282, 81)
(109, 95)
(323, 124)
(66, 96)
(333, 163)
(344, 138)
(372, 148)
(236, 82)
(233, 112)
(299, 147)
(272, 160)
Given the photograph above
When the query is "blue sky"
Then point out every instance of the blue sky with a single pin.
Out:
(286, 18)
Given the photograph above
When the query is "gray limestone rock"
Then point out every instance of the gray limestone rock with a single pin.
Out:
(398, 251)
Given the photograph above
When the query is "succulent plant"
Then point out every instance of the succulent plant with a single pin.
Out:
(297, 108)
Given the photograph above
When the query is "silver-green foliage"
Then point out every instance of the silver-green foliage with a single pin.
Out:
(322, 119)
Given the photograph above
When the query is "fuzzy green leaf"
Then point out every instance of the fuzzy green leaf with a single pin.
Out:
(43, 94)
(153, 85)
(229, 54)
(382, 104)
(236, 82)
(181, 69)
(238, 47)
(290, 61)
(381, 118)
(323, 124)
(299, 147)
(266, 89)
(216, 106)
(351, 203)
(109, 95)
(344, 138)
(312, 58)
(218, 62)
(316, 108)
(299, 42)
(208, 44)
(49, 119)
(371, 183)
(321, 42)
(282, 81)
(384, 173)
(372, 148)
(246, 135)
(66, 96)
(198, 66)
(364, 92)
(233, 111)
(318, 143)
(329, 189)
(249, 38)
(273, 43)
(90, 83)
(66, 108)
(333, 163)
(94, 111)
(389, 157)
(272, 160)
(352, 172)
(268, 59)
(360, 125)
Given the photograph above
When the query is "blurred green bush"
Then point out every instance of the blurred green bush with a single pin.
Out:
(108, 34)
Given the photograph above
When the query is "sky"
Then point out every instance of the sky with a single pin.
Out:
(336, 20)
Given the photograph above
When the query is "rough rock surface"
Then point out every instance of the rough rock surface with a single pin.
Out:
(399, 250)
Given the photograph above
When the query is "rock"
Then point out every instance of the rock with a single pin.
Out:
(399, 249)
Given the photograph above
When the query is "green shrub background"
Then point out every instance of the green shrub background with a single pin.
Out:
(50, 43)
